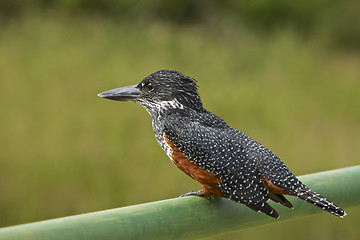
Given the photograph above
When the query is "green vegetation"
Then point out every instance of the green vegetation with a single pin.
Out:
(200, 217)
(65, 151)
(338, 20)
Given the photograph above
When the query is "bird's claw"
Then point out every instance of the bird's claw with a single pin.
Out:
(196, 193)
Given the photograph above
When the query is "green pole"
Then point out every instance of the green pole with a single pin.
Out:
(188, 217)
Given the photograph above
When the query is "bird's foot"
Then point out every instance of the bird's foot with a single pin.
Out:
(196, 193)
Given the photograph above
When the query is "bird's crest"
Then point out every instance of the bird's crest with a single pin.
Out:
(170, 85)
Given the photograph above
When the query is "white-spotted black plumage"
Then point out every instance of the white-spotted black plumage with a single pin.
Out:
(240, 162)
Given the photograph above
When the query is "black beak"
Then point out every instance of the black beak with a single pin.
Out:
(129, 93)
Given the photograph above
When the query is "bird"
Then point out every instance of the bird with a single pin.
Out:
(223, 160)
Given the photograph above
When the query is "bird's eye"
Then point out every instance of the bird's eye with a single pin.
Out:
(147, 87)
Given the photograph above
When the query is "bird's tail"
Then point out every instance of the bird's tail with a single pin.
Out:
(319, 201)
(280, 199)
(264, 208)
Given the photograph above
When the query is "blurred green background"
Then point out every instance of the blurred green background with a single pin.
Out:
(287, 73)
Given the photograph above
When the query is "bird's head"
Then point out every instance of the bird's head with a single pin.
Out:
(162, 89)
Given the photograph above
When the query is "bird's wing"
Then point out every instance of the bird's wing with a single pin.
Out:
(216, 151)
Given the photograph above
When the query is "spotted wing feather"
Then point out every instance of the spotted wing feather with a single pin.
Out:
(216, 151)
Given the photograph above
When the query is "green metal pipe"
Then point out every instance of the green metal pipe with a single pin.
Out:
(188, 217)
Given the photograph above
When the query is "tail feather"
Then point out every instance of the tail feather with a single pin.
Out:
(280, 199)
(264, 208)
(319, 201)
